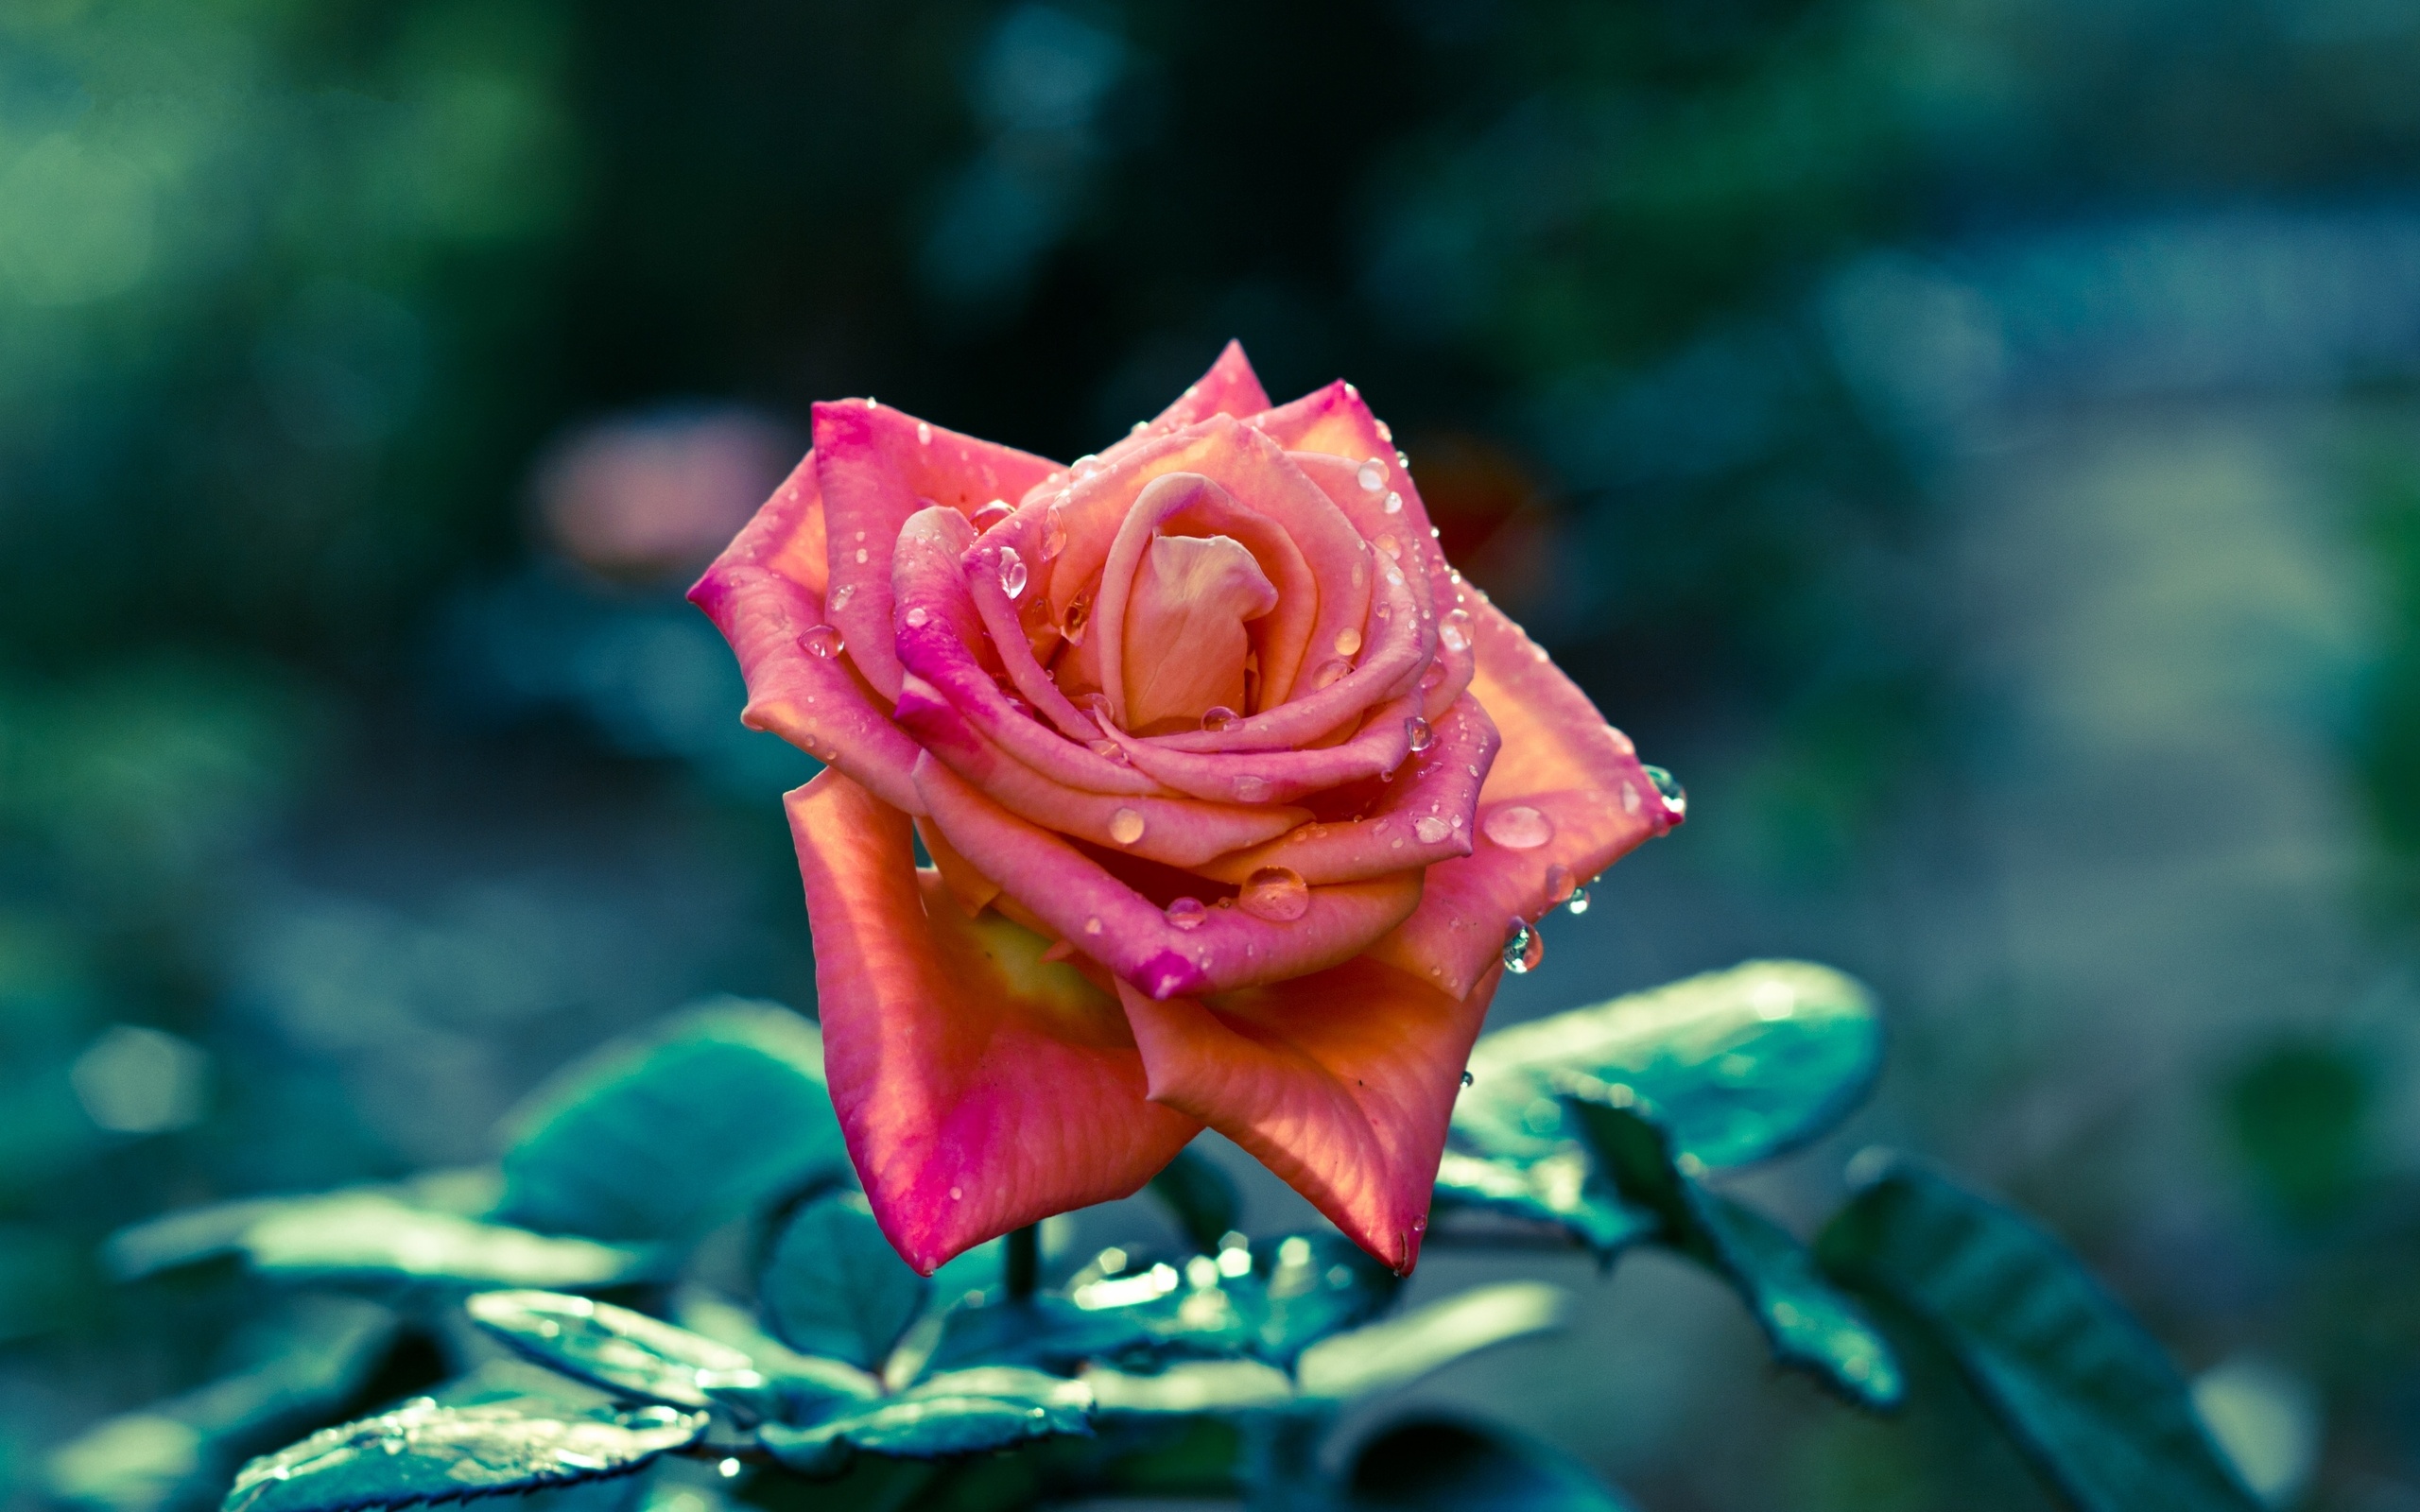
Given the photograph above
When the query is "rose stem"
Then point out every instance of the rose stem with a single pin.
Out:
(1025, 1262)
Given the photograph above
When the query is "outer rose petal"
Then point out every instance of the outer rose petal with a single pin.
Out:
(1341, 1083)
(763, 592)
(1558, 757)
(1230, 388)
(979, 1087)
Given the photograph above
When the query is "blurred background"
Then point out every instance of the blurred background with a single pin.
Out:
(1976, 443)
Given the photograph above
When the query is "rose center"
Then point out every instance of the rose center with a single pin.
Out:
(1185, 643)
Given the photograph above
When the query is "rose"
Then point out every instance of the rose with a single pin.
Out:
(1234, 792)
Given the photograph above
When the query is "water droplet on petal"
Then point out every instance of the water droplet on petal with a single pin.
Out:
(1079, 613)
(1455, 633)
(1326, 673)
(1393, 547)
(1676, 798)
(861, 555)
(1578, 902)
(1524, 948)
(992, 514)
(1373, 476)
(1251, 789)
(1433, 677)
(1054, 533)
(1348, 641)
(1092, 925)
(1558, 882)
(822, 640)
(1468, 1079)
(1518, 827)
(1417, 735)
(1012, 572)
(1126, 826)
(1219, 716)
(840, 597)
(1630, 798)
(1402, 461)
(1087, 465)
(1394, 503)
(1110, 751)
(1430, 829)
(1275, 893)
(1187, 913)
(1385, 432)
(923, 433)
(918, 616)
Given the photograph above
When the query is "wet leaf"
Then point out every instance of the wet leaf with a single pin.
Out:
(833, 1286)
(1191, 1386)
(363, 1236)
(1269, 1300)
(1383, 1356)
(2088, 1395)
(668, 1133)
(1435, 1464)
(962, 1412)
(1044, 1330)
(426, 1452)
(1563, 1189)
(1739, 1065)
(1808, 1325)
(798, 1387)
(626, 1353)
(1201, 1198)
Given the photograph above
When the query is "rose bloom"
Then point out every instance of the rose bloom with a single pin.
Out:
(1234, 792)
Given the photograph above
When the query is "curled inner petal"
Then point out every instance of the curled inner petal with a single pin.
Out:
(1186, 641)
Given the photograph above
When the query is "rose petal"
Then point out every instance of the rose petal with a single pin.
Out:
(1176, 832)
(1341, 1083)
(877, 466)
(757, 595)
(1559, 758)
(979, 1089)
(1278, 775)
(1124, 931)
(1440, 786)
(1186, 640)
(1230, 388)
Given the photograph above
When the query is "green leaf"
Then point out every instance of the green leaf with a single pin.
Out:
(1384, 1356)
(1808, 1324)
(1044, 1330)
(1191, 1386)
(1739, 1065)
(664, 1135)
(798, 1387)
(1203, 1199)
(963, 1411)
(1436, 1465)
(2088, 1395)
(1269, 1300)
(626, 1353)
(834, 1285)
(426, 1452)
(1564, 1189)
(363, 1236)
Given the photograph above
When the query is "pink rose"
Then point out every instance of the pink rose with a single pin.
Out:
(1233, 789)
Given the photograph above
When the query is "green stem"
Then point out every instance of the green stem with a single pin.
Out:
(1025, 1262)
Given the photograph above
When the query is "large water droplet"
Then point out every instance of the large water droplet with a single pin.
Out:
(1187, 913)
(1394, 503)
(823, 641)
(1087, 465)
(1518, 827)
(1430, 829)
(1277, 893)
(1417, 735)
(1327, 673)
(1054, 533)
(1219, 716)
(1012, 572)
(1126, 826)
(1524, 948)
(1348, 641)
(1252, 789)
(1080, 614)
(1578, 902)
(918, 617)
(992, 514)
(1373, 476)
(1455, 634)
(1676, 798)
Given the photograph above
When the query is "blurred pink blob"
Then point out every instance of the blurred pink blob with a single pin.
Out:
(656, 494)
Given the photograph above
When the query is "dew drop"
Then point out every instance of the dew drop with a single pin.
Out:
(1126, 826)
(992, 514)
(1373, 476)
(1385, 432)
(1394, 503)
(1455, 634)
(1468, 1079)
(1187, 913)
(1012, 572)
(918, 616)
(822, 640)
(1079, 613)
(1087, 465)
(1110, 751)
(1630, 798)
(1417, 735)
(840, 597)
(1327, 672)
(923, 433)
(1676, 798)
(1275, 893)
(1558, 882)
(1054, 533)
(1622, 742)
(1430, 829)
(1402, 461)
(1518, 827)
(1524, 948)
(1395, 577)
(1578, 902)
(1433, 677)
(861, 555)
(1219, 716)
(1251, 789)
(1348, 641)
(1092, 925)
(1393, 547)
